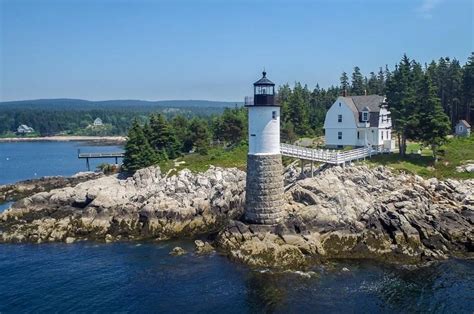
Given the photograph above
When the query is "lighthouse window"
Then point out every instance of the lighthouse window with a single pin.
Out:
(264, 90)
(274, 115)
(339, 135)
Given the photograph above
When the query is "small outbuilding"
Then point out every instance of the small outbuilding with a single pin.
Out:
(463, 128)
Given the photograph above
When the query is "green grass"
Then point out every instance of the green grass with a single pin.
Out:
(14, 135)
(219, 157)
(455, 152)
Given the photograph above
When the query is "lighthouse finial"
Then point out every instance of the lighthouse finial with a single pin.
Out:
(264, 73)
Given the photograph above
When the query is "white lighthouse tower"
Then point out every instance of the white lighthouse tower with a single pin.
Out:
(264, 191)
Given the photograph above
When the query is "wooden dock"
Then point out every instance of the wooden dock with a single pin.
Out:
(88, 156)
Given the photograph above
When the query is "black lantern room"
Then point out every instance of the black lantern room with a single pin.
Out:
(264, 92)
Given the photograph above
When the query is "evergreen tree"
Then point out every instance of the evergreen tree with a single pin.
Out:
(162, 137)
(401, 100)
(298, 110)
(180, 125)
(199, 135)
(380, 82)
(468, 89)
(455, 92)
(434, 123)
(372, 84)
(138, 152)
(344, 82)
(357, 87)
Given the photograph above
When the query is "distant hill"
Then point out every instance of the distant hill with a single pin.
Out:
(78, 104)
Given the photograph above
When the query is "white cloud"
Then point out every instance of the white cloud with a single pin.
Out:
(426, 8)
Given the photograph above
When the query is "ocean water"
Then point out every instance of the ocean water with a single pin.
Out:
(143, 277)
(28, 160)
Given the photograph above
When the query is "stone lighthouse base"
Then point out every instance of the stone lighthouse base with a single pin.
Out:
(264, 192)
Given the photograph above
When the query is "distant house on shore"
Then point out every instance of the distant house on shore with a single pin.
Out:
(358, 121)
(463, 128)
(24, 129)
(98, 122)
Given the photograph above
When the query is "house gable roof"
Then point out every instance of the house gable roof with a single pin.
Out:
(464, 122)
(372, 102)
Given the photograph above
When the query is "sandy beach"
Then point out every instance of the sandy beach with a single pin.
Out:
(101, 139)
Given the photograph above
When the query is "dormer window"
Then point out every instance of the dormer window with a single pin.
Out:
(365, 116)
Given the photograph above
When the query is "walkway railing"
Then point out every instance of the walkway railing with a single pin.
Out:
(100, 155)
(328, 156)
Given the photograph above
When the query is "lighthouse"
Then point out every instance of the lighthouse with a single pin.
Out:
(264, 190)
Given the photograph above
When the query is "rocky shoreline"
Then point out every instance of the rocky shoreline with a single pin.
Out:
(352, 212)
(16, 191)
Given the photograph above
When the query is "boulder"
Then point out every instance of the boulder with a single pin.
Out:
(177, 251)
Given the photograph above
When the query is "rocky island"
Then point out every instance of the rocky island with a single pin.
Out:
(351, 212)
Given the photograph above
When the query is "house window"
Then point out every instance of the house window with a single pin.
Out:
(339, 118)
(339, 135)
(339, 104)
(460, 128)
(358, 135)
(274, 115)
(365, 116)
(382, 134)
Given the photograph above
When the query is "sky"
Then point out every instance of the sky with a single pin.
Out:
(211, 49)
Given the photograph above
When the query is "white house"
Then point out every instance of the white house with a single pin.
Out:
(463, 128)
(24, 129)
(98, 122)
(358, 121)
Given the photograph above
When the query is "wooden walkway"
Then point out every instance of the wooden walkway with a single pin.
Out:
(88, 156)
(328, 156)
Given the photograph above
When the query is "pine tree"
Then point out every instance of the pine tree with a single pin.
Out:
(372, 84)
(180, 125)
(401, 100)
(434, 123)
(298, 109)
(199, 135)
(357, 87)
(381, 90)
(344, 82)
(468, 88)
(233, 126)
(455, 93)
(162, 137)
(283, 97)
(138, 152)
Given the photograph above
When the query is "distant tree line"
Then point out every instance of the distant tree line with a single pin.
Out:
(48, 121)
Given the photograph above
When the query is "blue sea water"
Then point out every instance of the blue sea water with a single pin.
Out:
(29, 160)
(144, 278)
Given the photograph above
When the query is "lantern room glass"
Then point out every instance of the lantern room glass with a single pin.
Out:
(264, 90)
